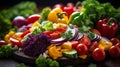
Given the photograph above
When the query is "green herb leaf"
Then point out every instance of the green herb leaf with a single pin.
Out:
(21, 65)
(92, 65)
(67, 34)
(44, 14)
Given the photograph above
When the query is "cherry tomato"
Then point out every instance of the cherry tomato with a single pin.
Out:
(114, 51)
(86, 41)
(82, 49)
(55, 35)
(93, 46)
(118, 44)
(74, 44)
(33, 18)
(98, 54)
(114, 40)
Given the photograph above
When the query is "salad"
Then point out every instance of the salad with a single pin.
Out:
(88, 28)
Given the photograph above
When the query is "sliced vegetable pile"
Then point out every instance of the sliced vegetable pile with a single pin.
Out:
(73, 32)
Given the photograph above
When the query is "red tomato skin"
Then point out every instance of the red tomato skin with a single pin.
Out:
(93, 46)
(82, 49)
(114, 40)
(74, 44)
(98, 54)
(118, 44)
(86, 41)
(114, 51)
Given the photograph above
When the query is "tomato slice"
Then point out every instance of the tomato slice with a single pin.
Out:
(74, 44)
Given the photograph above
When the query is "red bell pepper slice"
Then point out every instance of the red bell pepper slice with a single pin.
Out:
(15, 41)
(24, 33)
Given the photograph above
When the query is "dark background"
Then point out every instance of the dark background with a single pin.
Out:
(4, 3)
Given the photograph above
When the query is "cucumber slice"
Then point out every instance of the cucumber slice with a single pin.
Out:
(71, 54)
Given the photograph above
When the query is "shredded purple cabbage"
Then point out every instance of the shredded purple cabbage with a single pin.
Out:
(36, 44)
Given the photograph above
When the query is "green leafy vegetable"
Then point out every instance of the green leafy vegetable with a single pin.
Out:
(96, 11)
(44, 14)
(92, 65)
(67, 34)
(21, 65)
(91, 35)
(38, 30)
(47, 25)
(46, 62)
(6, 51)
(54, 64)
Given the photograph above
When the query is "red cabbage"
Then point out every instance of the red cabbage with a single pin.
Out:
(36, 44)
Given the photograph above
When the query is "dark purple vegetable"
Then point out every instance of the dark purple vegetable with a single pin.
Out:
(96, 38)
(19, 21)
(75, 34)
(36, 44)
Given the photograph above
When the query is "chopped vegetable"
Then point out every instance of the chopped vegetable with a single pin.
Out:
(6, 51)
(46, 62)
(44, 14)
(92, 65)
(59, 16)
(71, 54)
(67, 34)
(53, 52)
(36, 44)
(21, 65)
